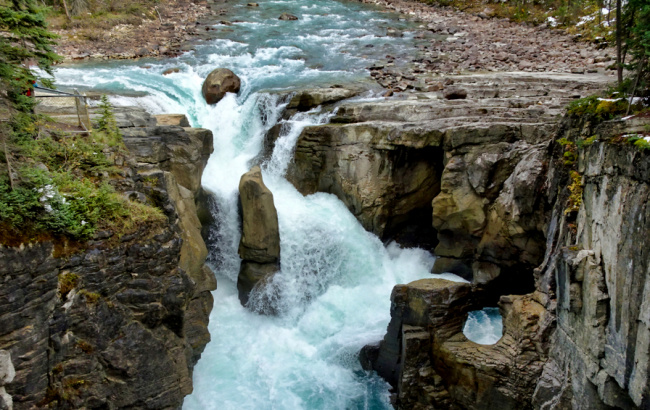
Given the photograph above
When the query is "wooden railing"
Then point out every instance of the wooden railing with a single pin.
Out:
(81, 104)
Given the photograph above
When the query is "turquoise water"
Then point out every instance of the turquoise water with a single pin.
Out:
(334, 287)
(484, 326)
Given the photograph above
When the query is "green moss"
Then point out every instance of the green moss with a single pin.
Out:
(597, 108)
(570, 151)
(639, 141)
(90, 297)
(75, 383)
(580, 143)
(67, 282)
(575, 190)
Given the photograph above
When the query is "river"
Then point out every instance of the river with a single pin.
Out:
(336, 278)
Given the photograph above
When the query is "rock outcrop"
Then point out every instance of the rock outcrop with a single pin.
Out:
(596, 279)
(305, 100)
(431, 364)
(7, 374)
(218, 83)
(259, 247)
(121, 322)
(172, 119)
(457, 175)
(580, 339)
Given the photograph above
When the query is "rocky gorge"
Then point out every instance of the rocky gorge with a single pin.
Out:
(462, 154)
(484, 180)
(118, 322)
(495, 191)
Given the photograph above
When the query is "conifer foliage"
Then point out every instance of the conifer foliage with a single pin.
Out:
(24, 40)
(637, 42)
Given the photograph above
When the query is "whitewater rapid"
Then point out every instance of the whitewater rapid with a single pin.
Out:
(336, 278)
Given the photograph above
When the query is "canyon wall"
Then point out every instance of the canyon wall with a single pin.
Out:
(556, 243)
(596, 280)
(119, 321)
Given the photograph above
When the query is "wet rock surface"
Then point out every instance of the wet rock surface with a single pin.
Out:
(259, 247)
(218, 83)
(122, 322)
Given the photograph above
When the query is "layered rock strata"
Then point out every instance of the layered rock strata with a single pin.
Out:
(457, 175)
(259, 246)
(121, 322)
(431, 364)
(580, 339)
(596, 280)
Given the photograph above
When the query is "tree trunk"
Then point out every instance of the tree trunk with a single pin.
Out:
(619, 41)
(67, 13)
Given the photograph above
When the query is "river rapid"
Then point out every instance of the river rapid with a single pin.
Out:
(336, 278)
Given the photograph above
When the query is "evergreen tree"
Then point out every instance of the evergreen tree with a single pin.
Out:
(633, 44)
(106, 122)
(26, 40)
(640, 41)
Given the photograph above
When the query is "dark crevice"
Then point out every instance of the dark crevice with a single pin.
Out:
(414, 228)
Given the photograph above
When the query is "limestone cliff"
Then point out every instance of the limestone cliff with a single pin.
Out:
(121, 322)
(557, 243)
(459, 175)
(596, 279)
(580, 339)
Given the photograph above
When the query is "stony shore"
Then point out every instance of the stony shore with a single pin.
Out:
(464, 43)
(178, 23)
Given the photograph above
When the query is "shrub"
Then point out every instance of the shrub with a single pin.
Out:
(67, 282)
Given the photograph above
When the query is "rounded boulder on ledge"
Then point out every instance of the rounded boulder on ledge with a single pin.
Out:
(218, 83)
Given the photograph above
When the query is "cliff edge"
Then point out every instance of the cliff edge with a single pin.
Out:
(117, 321)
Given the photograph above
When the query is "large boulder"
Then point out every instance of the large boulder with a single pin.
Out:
(259, 247)
(218, 83)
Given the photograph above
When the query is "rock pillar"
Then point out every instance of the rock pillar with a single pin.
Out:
(259, 247)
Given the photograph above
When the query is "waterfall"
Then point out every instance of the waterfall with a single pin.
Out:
(333, 291)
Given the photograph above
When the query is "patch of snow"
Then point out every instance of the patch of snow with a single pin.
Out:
(585, 19)
(551, 21)
(634, 100)
(48, 192)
